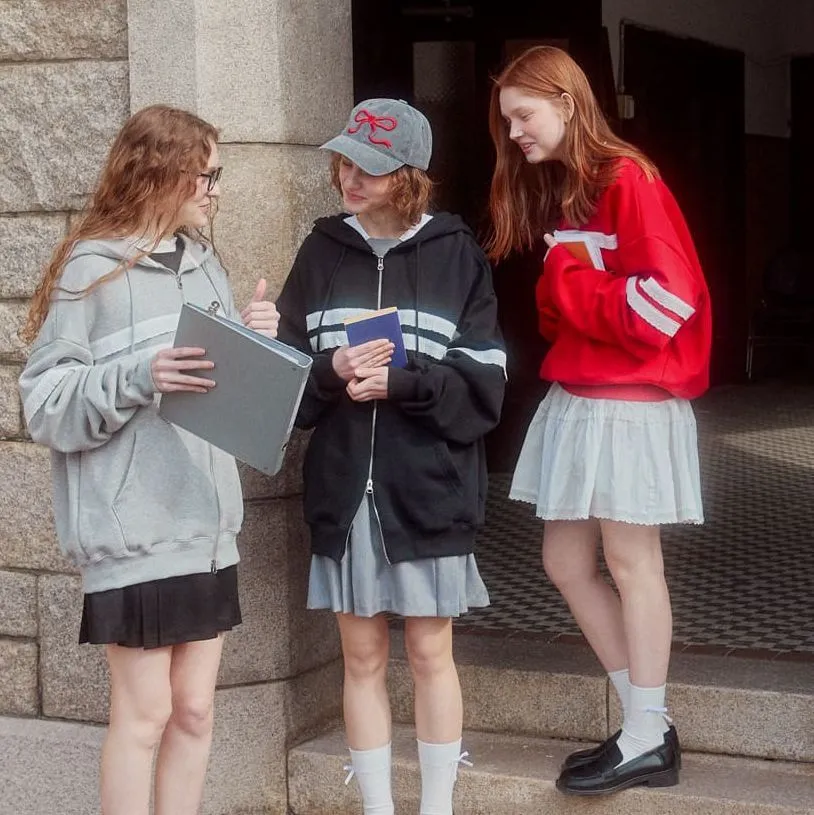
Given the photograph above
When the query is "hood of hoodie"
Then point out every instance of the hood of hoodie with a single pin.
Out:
(142, 298)
(441, 225)
(137, 249)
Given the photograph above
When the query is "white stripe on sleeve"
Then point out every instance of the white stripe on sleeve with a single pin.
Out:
(43, 389)
(490, 356)
(648, 312)
(653, 289)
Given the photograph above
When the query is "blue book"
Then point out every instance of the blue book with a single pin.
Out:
(378, 325)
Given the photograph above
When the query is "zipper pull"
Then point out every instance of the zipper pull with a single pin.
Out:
(214, 567)
(369, 487)
(178, 281)
(380, 264)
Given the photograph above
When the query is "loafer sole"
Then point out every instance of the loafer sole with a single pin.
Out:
(662, 778)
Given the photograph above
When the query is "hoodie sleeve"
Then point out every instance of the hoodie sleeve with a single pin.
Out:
(324, 387)
(460, 397)
(70, 403)
(660, 287)
(547, 313)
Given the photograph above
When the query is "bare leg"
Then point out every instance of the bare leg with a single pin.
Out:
(633, 555)
(438, 705)
(438, 710)
(184, 752)
(140, 705)
(570, 561)
(366, 650)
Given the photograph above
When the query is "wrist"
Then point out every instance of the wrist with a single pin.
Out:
(402, 385)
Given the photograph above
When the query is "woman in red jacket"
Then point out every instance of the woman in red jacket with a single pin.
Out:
(612, 451)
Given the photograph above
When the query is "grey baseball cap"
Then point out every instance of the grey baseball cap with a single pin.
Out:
(383, 135)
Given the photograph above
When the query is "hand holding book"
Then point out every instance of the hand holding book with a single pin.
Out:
(349, 359)
(376, 325)
(369, 384)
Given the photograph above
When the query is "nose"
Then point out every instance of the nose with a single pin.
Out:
(515, 131)
(353, 178)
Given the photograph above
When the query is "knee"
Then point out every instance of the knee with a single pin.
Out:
(630, 572)
(194, 716)
(566, 573)
(428, 658)
(366, 660)
(145, 727)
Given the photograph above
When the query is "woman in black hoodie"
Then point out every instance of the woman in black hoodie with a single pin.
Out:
(395, 474)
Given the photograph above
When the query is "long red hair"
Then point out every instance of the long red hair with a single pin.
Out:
(151, 170)
(527, 199)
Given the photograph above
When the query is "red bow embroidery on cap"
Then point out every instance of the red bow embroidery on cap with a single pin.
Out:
(364, 117)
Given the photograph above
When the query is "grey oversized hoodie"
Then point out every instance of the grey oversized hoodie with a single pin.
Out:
(135, 497)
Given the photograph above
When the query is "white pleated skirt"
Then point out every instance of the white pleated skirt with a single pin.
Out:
(635, 462)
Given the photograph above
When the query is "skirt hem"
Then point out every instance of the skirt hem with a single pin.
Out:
(605, 515)
(368, 613)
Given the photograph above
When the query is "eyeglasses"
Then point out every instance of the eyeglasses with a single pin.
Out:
(212, 178)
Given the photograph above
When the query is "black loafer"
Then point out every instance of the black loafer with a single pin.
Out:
(591, 754)
(656, 768)
(582, 757)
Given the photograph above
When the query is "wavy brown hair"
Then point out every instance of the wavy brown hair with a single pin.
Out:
(527, 199)
(151, 170)
(410, 190)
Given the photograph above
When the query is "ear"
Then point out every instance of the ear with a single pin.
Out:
(568, 106)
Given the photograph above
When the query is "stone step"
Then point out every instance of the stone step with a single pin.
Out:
(723, 705)
(515, 775)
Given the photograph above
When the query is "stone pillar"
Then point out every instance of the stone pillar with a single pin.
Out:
(275, 77)
(63, 96)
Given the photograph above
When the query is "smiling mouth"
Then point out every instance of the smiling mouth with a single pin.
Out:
(527, 147)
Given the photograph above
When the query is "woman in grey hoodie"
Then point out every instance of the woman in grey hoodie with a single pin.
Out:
(147, 512)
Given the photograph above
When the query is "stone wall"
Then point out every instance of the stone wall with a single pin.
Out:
(70, 73)
(64, 92)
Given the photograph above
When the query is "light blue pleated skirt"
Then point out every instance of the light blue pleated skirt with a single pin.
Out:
(365, 584)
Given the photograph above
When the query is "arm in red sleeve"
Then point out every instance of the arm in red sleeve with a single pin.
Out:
(660, 283)
(549, 317)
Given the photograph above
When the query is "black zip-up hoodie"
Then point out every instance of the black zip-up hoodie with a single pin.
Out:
(420, 452)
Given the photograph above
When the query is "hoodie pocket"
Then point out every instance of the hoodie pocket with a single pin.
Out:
(168, 493)
(426, 488)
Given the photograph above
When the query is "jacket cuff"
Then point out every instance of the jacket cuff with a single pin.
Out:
(142, 379)
(557, 257)
(402, 384)
(325, 375)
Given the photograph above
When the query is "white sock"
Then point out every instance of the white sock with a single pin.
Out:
(439, 770)
(643, 729)
(621, 681)
(372, 769)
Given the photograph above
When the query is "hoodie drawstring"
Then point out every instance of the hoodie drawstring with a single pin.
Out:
(132, 310)
(214, 287)
(417, 295)
(327, 299)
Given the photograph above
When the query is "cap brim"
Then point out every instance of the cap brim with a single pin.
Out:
(369, 159)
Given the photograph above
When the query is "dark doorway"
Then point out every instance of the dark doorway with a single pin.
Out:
(802, 148)
(441, 56)
(689, 117)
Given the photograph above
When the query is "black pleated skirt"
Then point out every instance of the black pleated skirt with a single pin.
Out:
(163, 612)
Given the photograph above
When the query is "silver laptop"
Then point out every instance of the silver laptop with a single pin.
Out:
(251, 411)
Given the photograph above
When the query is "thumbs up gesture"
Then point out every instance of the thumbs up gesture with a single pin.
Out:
(261, 314)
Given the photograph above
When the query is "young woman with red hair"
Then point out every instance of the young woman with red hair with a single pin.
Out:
(612, 452)
(146, 511)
